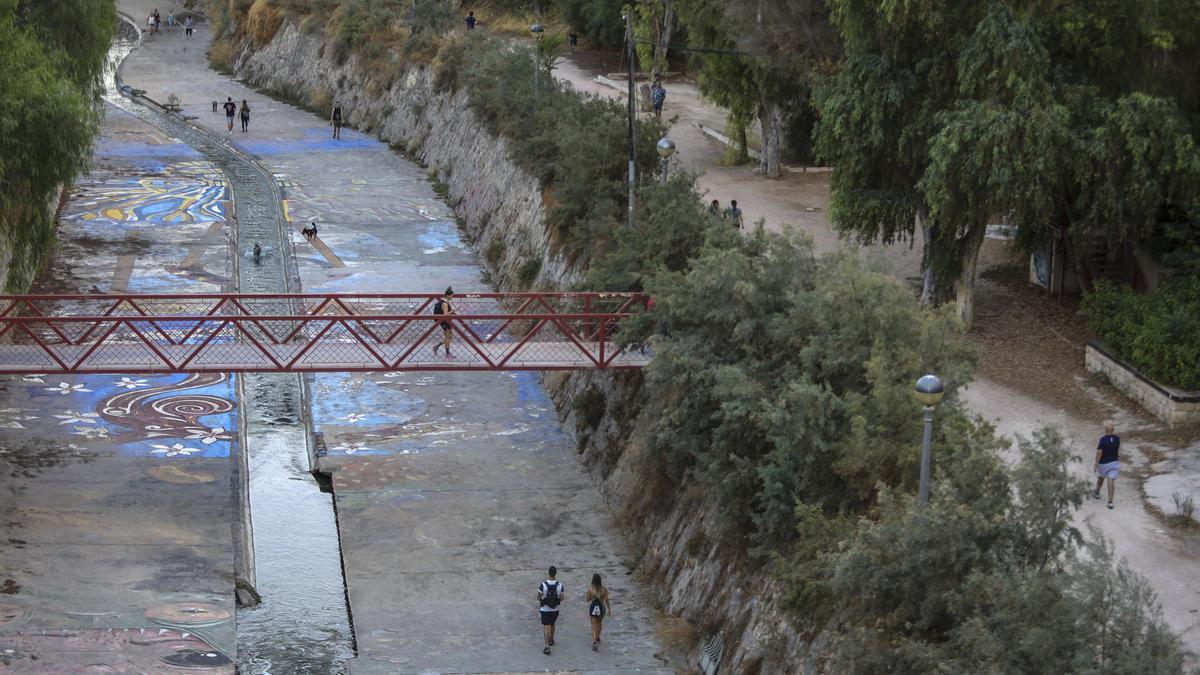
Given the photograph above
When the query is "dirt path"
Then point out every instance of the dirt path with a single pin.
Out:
(1030, 355)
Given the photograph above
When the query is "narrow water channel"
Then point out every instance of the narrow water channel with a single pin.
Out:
(302, 625)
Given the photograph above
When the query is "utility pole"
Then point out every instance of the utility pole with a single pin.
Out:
(632, 117)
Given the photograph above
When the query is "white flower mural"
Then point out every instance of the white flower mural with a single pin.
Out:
(12, 418)
(208, 436)
(65, 388)
(350, 448)
(91, 433)
(176, 450)
(76, 417)
(354, 418)
(131, 383)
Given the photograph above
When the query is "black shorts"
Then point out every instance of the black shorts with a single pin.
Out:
(446, 325)
(548, 618)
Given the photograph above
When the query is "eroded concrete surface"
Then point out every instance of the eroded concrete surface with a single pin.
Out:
(454, 492)
(117, 495)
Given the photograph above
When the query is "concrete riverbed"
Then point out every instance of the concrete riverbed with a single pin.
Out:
(453, 491)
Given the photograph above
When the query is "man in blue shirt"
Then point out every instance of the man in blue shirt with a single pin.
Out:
(1107, 464)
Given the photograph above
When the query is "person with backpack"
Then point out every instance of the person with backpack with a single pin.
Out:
(550, 596)
(443, 308)
(230, 111)
(335, 118)
(598, 608)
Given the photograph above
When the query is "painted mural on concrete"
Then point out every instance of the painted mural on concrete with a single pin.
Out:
(117, 505)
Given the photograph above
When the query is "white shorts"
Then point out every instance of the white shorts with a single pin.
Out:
(1108, 470)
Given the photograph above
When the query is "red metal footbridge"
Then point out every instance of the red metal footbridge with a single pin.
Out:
(313, 333)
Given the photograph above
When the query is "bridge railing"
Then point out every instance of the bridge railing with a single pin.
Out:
(313, 332)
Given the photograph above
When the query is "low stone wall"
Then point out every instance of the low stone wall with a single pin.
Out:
(1173, 406)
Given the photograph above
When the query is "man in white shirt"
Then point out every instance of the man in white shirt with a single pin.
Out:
(550, 596)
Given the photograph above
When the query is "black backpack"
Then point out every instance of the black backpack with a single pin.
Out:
(439, 307)
(550, 597)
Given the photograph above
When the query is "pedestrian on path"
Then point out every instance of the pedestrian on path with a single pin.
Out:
(550, 596)
(150, 24)
(735, 215)
(157, 20)
(657, 96)
(470, 20)
(170, 21)
(336, 119)
(714, 209)
(187, 27)
(230, 111)
(1107, 464)
(598, 608)
(443, 308)
(245, 115)
(573, 40)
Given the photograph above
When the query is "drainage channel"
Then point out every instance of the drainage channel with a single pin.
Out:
(302, 624)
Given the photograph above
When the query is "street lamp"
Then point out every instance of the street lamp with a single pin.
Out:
(537, 31)
(929, 391)
(666, 148)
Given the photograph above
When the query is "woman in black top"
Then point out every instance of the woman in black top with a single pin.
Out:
(336, 118)
(442, 308)
(245, 115)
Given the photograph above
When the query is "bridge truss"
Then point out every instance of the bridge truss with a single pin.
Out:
(313, 333)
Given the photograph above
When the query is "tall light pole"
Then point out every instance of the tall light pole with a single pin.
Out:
(665, 148)
(629, 40)
(537, 31)
(929, 391)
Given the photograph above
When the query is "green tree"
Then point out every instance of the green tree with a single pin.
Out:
(784, 43)
(1053, 115)
(777, 379)
(51, 59)
(987, 579)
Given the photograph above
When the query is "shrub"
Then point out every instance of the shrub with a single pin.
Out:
(775, 379)
(589, 406)
(528, 271)
(1158, 333)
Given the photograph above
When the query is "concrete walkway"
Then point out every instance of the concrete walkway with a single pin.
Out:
(117, 497)
(454, 492)
(1169, 559)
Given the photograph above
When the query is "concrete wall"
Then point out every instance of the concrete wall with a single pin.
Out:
(502, 210)
(1173, 406)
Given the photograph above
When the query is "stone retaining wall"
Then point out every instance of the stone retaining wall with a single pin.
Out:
(1170, 405)
(502, 212)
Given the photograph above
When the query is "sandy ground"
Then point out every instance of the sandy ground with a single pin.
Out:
(1030, 346)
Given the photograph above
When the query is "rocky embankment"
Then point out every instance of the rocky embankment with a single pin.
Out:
(502, 213)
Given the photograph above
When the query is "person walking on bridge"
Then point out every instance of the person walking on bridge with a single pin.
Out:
(187, 27)
(230, 111)
(598, 608)
(550, 596)
(245, 116)
(443, 308)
